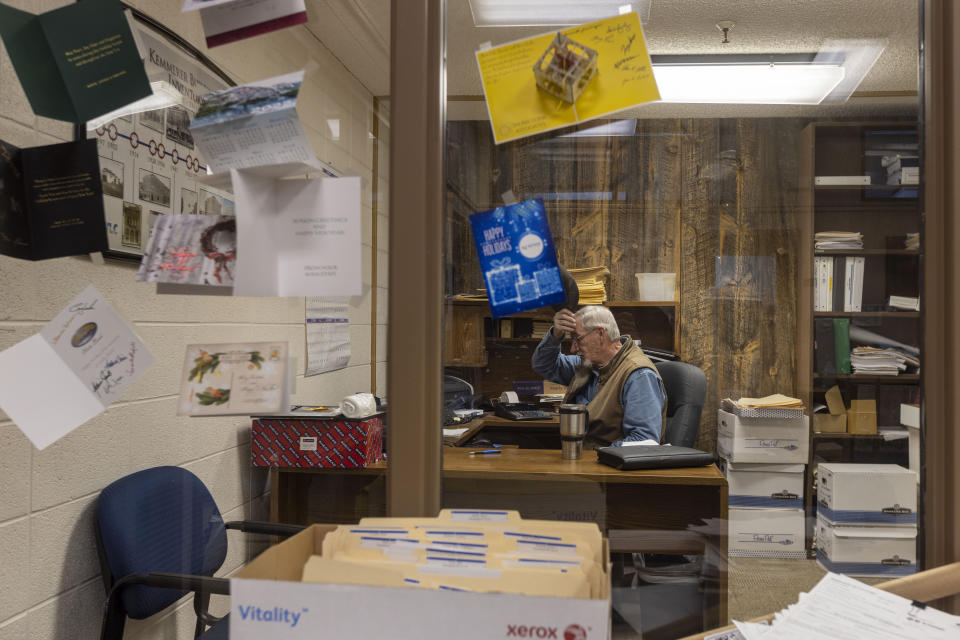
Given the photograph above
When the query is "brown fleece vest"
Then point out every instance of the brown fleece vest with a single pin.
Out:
(605, 410)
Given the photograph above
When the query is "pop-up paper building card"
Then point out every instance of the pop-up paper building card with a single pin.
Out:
(253, 125)
(518, 257)
(76, 62)
(226, 21)
(79, 364)
(51, 203)
(562, 78)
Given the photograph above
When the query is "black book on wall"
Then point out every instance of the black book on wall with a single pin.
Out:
(51, 201)
(823, 335)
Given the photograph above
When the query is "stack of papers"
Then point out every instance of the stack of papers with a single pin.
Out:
(843, 608)
(881, 362)
(828, 240)
(590, 283)
(776, 401)
(904, 302)
(912, 241)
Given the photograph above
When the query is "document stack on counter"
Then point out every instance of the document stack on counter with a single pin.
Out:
(467, 550)
(843, 608)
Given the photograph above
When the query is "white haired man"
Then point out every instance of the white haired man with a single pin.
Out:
(606, 372)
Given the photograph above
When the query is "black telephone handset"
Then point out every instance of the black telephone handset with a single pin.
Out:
(520, 411)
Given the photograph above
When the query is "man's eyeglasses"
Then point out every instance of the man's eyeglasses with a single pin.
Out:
(579, 339)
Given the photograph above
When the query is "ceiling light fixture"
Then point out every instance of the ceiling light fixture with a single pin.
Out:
(748, 78)
(550, 13)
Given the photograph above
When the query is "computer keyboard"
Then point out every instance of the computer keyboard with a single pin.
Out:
(522, 414)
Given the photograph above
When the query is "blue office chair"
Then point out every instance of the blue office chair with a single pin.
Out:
(686, 387)
(160, 536)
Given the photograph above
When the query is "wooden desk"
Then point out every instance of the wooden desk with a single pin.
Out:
(638, 510)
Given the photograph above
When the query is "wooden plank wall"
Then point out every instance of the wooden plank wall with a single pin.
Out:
(714, 201)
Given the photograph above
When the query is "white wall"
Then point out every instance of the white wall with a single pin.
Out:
(49, 575)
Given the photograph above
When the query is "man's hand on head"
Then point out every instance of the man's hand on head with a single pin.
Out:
(563, 320)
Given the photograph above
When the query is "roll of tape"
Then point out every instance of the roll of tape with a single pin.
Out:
(509, 396)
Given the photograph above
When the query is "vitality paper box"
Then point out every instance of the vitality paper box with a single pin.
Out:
(877, 494)
(867, 551)
(780, 441)
(778, 486)
(767, 533)
(271, 585)
(338, 443)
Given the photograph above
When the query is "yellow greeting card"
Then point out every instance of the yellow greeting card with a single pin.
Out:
(561, 78)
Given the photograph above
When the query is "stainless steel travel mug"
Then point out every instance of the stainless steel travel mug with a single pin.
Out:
(573, 426)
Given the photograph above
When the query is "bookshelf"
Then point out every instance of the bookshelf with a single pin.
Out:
(884, 214)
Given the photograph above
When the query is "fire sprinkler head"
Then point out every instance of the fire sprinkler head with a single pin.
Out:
(724, 26)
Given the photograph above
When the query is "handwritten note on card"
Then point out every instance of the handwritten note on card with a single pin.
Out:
(518, 107)
(78, 365)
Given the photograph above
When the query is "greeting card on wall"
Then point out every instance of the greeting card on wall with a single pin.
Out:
(561, 78)
(149, 162)
(50, 201)
(253, 125)
(296, 237)
(186, 249)
(226, 21)
(224, 379)
(77, 366)
(76, 62)
(518, 257)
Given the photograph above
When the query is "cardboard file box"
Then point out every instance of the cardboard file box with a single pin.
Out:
(864, 494)
(776, 486)
(340, 443)
(862, 416)
(836, 420)
(771, 440)
(767, 533)
(867, 551)
(266, 596)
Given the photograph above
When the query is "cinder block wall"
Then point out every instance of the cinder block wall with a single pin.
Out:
(49, 575)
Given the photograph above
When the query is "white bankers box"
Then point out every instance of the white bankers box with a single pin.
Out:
(767, 533)
(773, 440)
(764, 486)
(858, 494)
(867, 551)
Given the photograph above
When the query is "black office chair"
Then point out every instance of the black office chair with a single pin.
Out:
(686, 387)
(159, 536)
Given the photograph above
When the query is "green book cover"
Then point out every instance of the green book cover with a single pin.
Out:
(841, 341)
(77, 62)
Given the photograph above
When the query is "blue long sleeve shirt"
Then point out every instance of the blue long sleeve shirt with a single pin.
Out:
(642, 396)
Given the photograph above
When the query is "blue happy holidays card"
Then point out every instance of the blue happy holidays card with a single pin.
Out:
(518, 258)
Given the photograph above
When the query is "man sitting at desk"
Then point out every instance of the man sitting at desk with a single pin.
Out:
(611, 375)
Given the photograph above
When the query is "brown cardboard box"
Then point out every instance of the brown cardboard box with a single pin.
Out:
(836, 420)
(830, 423)
(862, 416)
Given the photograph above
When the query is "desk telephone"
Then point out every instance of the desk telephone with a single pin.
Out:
(520, 411)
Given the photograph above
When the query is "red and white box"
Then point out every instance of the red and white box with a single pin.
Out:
(297, 441)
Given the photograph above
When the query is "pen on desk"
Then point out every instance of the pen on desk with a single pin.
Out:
(486, 452)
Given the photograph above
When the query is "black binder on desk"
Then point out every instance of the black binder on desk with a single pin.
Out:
(659, 456)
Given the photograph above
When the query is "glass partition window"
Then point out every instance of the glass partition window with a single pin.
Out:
(770, 241)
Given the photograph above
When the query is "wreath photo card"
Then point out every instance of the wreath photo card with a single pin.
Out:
(238, 378)
(191, 249)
